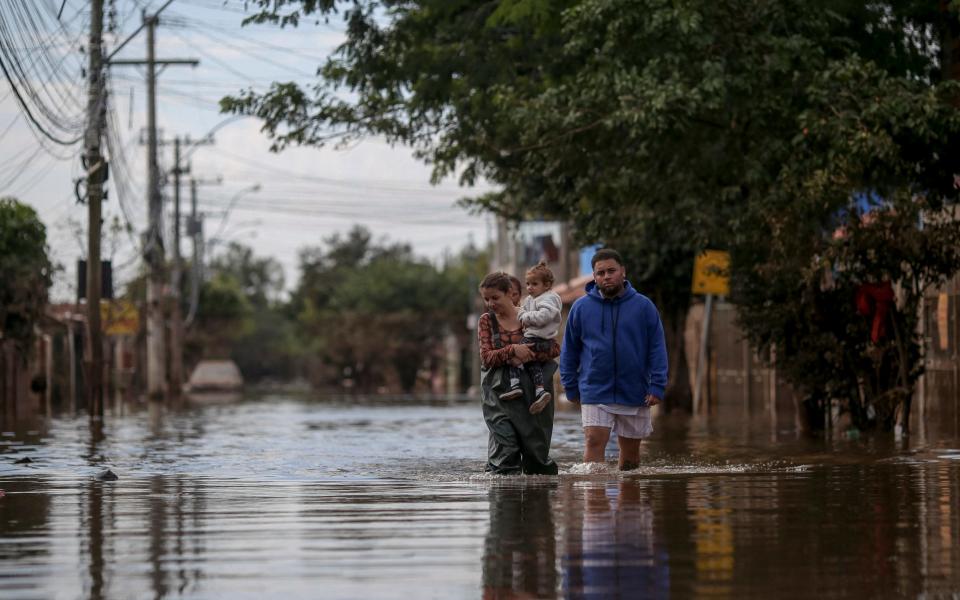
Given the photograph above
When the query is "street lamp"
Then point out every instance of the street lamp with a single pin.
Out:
(200, 253)
(233, 201)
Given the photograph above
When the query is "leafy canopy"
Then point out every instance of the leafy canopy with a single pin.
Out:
(668, 127)
(25, 270)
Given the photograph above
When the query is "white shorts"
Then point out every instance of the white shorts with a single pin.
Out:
(636, 426)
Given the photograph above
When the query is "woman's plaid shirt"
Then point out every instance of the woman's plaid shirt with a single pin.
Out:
(491, 356)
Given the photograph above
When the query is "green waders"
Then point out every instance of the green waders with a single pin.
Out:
(519, 442)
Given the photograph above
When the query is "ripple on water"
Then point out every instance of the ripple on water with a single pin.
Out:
(282, 498)
(672, 467)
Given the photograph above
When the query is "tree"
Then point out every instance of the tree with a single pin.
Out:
(669, 127)
(225, 316)
(242, 317)
(261, 279)
(369, 310)
(25, 271)
(813, 255)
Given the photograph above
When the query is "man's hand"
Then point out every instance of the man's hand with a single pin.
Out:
(652, 400)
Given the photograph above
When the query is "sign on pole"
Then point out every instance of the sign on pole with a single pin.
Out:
(711, 277)
(711, 273)
(119, 317)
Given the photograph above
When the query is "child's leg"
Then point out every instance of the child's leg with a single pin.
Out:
(536, 373)
(513, 385)
(541, 397)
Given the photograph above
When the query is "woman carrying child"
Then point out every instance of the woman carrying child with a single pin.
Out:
(519, 440)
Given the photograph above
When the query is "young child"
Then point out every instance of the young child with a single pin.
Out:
(540, 316)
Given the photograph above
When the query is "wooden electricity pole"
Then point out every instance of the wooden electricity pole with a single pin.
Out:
(176, 272)
(154, 250)
(176, 315)
(96, 169)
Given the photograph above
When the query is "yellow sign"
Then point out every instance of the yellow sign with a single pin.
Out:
(119, 317)
(710, 273)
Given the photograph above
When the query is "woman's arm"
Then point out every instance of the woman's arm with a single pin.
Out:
(489, 356)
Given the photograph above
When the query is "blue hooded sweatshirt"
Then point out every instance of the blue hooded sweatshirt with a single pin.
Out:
(613, 349)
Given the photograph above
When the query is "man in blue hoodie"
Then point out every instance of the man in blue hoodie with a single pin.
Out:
(614, 361)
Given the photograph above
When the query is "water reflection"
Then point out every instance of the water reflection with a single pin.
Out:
(519, 556)
(294, 498)
(609, 545)
(140, 543)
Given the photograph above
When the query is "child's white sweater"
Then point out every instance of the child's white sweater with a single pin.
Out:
(540, 315)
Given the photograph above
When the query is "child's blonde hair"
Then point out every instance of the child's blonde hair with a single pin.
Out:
(542, 272)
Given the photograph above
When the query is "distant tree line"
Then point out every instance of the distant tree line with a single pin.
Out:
(364, 313)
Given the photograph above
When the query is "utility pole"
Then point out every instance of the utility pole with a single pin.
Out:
(195, 230)
(96, 169)
(176, 315)
(153, 250)
(176, 279)
(156, 356)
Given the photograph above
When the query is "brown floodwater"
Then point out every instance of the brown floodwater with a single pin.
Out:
(300, 497)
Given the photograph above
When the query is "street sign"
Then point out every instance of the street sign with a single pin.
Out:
(711, 273)
(119, 317)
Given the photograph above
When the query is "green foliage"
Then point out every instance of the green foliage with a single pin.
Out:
(808, 249)
(269, 349)
(241, 317)
(260, 279)
(670, 127)
(370, 310)
(25, 271)
(224, 317)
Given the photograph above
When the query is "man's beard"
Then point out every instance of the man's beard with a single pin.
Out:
(612, 292)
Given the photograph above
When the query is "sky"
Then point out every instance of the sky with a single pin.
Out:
(275, 203)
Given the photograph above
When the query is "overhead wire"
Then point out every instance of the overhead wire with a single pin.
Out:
(388, 186)
(221, 63)
(251, 53)
(319, 198)
(121, 171)
(7, 129)
(39, 81)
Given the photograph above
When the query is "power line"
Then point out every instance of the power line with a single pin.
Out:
(251, 53)
(224, 65)
(7, 129)
(23, 77)
(26, 109)
(275, 206)
(379, 185)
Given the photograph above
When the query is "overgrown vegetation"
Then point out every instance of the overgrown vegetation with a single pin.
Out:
(25, 271)
(671, 127)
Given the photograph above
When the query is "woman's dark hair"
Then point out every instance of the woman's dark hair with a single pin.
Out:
(498, 281)
(516, 283)
(606, 254)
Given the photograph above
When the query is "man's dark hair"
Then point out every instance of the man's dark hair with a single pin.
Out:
(606, 254)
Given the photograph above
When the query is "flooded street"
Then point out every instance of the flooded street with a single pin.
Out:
(289, 496)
